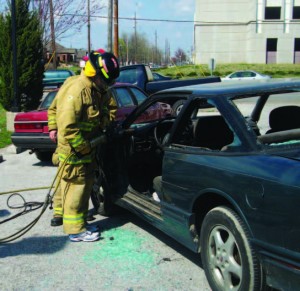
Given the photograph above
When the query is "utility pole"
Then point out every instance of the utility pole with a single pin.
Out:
(15, 107)
(116, 28)
(53, 45)
(127, 55)
(166, 61)
(89, 26)
(135, 39)
(109, 26)
(155, 52)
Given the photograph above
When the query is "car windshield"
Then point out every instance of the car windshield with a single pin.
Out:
(48, 100)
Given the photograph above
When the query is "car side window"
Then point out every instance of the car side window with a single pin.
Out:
(140, 96)
(124, 98)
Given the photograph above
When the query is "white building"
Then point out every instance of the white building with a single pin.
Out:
(247, 31)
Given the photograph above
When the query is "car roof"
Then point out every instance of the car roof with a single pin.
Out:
(236, 88)
(244, 71)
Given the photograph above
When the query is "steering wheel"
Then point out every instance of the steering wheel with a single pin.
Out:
(161, 132)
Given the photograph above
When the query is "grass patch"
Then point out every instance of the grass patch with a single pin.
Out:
(5, 139)
(274, 70)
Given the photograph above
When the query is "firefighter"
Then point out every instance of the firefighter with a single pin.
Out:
(83, 112)
(52, 127)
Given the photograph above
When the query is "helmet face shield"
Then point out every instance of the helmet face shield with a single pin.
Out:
(106, 66)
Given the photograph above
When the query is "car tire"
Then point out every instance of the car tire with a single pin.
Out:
(44, 156)
(228, 258)
(177, 106)
(100, 197)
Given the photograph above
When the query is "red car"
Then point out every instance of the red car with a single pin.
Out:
(31, 128)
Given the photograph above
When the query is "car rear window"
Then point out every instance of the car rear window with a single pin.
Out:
(140, 96)
(123, 97)
(48, 100)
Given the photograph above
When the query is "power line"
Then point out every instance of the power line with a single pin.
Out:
(127, 18)
(164, 20)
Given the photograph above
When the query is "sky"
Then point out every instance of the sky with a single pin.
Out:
(178, 34)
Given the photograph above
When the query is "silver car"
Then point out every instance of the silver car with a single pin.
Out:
(245, 75)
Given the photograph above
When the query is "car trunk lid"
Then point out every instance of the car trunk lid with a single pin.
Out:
(34, 121)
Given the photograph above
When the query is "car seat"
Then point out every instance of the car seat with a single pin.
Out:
(284, 118)
(212, 132)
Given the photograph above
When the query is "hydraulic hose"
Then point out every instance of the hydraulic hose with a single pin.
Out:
(44, 205)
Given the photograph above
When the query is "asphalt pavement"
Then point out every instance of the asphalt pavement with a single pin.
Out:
(131, 254)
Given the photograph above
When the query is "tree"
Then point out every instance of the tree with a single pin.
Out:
(29, 58)
(180, 56)
(69, 16)
(139, 50)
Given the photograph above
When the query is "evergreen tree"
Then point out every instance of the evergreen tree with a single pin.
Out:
(29, 58)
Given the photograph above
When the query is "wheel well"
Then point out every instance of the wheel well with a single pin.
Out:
(204, 204)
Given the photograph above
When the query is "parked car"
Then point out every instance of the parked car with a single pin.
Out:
(31, 128)
(56, 77)
(160, 77)
(227, 173)
(245, 75)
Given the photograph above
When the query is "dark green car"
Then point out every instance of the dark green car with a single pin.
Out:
(222, 178)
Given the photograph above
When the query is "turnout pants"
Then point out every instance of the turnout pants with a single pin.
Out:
(75, 188)
(57, 203)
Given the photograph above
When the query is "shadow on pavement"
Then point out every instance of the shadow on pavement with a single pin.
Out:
(33, 245)
(44, 164)
(52, 244)
(111, 222)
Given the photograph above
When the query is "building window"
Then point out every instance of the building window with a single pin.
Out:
(297, 51)
(296, 12)
(271, 51)
(272, 13)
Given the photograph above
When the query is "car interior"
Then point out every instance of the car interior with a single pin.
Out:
(204, 128)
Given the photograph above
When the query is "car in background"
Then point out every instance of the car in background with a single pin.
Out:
(54, 79)
(245, 75)
(160, 77)
(31, 128)
(226, 171)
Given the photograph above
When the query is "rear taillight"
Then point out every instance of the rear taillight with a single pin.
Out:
(30, 127)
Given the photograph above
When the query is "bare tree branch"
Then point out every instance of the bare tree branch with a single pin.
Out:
(69, 15)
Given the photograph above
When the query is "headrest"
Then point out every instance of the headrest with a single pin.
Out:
(285, 118)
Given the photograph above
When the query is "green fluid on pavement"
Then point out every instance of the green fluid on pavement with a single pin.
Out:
(123, 248)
